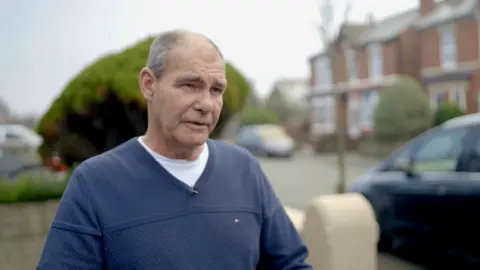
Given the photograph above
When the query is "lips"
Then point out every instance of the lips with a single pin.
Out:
(197, 125)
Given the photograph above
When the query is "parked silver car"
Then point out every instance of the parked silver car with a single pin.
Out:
(266, 140)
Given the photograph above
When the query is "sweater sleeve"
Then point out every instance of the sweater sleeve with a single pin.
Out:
(74, 240)
(281, 244)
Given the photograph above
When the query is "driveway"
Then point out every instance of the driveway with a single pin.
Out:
(299, 180)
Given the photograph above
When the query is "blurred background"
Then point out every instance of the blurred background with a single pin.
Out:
(362, 96)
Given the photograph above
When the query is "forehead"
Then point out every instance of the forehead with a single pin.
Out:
(196, 59)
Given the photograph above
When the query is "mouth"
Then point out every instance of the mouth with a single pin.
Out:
(197, 125)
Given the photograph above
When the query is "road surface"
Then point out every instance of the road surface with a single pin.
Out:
(304, 177)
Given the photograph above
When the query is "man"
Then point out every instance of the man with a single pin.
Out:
(173, 199)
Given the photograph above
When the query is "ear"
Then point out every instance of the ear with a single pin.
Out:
(146, 81)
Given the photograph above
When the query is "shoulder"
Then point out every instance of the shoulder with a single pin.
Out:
(234, 158)
(109, 161)
(228, 151)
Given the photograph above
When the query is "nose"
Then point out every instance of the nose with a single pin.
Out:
(204, 103)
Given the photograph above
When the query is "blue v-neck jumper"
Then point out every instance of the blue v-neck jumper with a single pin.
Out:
(123, 210)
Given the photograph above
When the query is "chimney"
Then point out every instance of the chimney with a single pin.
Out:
(426, 6)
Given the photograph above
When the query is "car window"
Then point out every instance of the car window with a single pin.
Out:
(404, 153)
(270, 132)
(246, 136)
(439, 151)
(473, 163)
(10, 135)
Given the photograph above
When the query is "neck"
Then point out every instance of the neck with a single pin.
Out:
(168, 149)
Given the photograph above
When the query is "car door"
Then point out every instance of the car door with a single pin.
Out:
(425, 199)
(460, 222)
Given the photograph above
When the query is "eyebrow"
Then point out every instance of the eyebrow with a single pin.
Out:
(197, 79)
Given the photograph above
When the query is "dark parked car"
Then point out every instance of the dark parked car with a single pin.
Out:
(427, 193)
(266, 140)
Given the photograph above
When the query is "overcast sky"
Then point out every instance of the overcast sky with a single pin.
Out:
(44, 43)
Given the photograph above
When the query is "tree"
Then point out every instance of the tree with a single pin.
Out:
(445, 112)
(328, 25)
(402, 112)
(4, 111)
(257, 116)
(328, 30)
(102, 106)
(277, 104)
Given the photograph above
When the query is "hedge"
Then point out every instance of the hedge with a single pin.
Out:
(31, 189)
(102, 107)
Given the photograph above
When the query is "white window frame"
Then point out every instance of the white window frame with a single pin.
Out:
(448, 47)
(375, 63)
(354, 117)
(433, 95)
(462, 100)
(369, 103)
(351, 59)
(322, 64)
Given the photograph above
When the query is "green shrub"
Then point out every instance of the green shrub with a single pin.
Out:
(28, 188)
(102, 107)
(402, 112)
(445, 112)
(258, 116)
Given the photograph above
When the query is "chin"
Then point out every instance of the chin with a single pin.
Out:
(195, 139)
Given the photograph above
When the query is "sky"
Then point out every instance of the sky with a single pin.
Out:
(46, 43)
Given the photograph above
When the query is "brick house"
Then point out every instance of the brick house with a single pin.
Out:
(368, 60)
(389, 48)
(325, 74)
(450, 61)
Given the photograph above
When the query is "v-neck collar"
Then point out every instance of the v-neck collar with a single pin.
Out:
(156, 168)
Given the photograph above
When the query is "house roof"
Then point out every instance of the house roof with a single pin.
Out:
(389, 28)
(349, 32)
(447, 11)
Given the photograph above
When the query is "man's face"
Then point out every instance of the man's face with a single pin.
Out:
(187, 100)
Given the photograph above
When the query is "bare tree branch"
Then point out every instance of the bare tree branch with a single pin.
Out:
(327, 26)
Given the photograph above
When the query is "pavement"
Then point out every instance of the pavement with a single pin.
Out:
(298, 180)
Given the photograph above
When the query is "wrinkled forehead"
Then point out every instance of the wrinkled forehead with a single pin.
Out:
(195, 63)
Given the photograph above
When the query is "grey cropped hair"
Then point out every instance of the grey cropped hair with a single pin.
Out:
(162, 45)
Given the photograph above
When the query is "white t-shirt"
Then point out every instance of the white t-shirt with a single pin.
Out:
(187, 171)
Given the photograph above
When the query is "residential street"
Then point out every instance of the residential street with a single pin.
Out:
(299, 180)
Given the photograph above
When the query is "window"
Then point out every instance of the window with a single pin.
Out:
(376, 61)
(323, 72)
(330, 110)
(474, 161)
(448, 48)
(247, 136)
(351, 64)
(457, 95)
(440, 151)
(10, 135)
(369, 103)
(437, 97)
(354, 117)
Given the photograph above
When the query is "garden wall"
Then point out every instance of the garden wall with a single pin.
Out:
(23, 228)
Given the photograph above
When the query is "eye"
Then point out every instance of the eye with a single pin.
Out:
(217, 90)
(189, 86)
